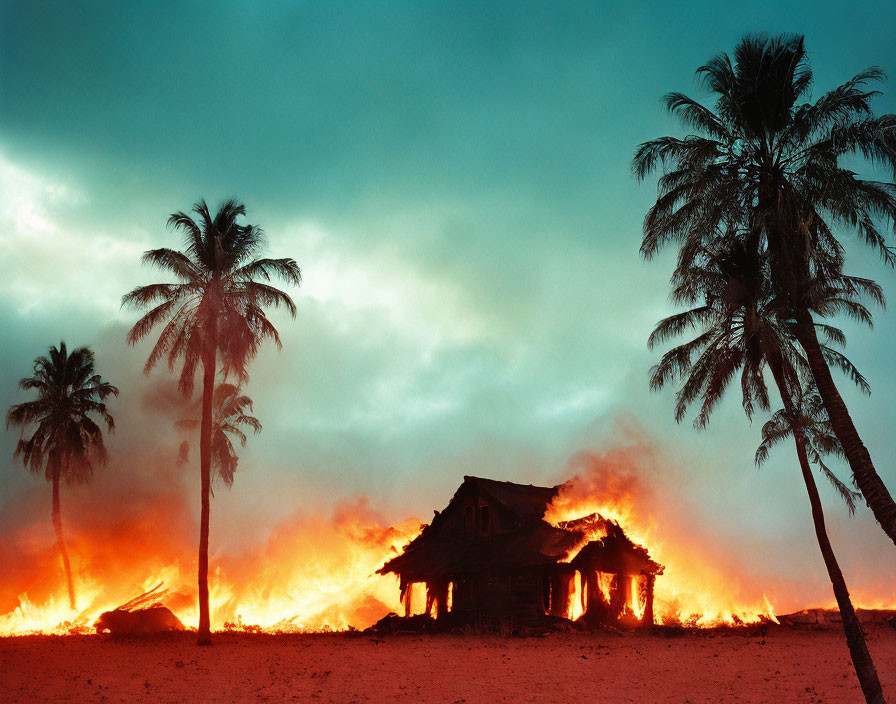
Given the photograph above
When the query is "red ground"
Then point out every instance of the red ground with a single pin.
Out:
(783, 666)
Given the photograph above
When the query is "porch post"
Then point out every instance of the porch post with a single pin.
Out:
(617, 595)
(406, 597)
(647, 618)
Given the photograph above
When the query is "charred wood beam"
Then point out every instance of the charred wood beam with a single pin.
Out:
(437, 598)
(618, 594)
(648, 582)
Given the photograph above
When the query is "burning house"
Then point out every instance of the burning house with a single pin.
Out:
(491, 556)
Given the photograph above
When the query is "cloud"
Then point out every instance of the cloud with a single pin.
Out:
(48, 258)
(355, 281)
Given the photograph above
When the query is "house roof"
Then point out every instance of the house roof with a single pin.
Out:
(526, 501)
(540, 544)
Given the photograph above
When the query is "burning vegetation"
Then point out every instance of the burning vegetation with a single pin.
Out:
(599, 548)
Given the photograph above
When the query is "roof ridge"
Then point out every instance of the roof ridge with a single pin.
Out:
(469, 477)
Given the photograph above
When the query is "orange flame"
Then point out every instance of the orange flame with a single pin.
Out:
(312, 575)
(317, 572)
(689, 591)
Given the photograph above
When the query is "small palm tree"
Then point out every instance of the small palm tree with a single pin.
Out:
(66, 443)
(213, 317)
(230, 411)
(763, 157)
(808, 420)
(804, 418)
(743, 327)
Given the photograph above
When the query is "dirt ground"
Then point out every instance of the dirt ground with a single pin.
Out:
(784, 665)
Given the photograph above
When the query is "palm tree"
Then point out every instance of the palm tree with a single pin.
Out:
(762, 157)
(805, 419)
(229, 412)
(66, 443)
(744, 327)
(213, 315)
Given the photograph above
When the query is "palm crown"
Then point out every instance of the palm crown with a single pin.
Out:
(761, 151)
(66, 441)
(809, 418)
(744, 327)
(768, 161)
(219, 298)
(230, 411)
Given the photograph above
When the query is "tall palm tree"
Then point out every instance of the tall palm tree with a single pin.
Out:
(763, 156)
(805, 419)
(66, 442)
(743, 327)
(229, 411)
(213, 317)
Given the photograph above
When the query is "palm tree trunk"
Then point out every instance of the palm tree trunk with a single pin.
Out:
(868, 481)
(205, 461)
(855, 638)
(60, 542)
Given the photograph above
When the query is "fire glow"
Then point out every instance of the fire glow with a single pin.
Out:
(317, 573)
(312, 575)
(688, 592)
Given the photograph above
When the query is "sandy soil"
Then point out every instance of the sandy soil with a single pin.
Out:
(785, 665)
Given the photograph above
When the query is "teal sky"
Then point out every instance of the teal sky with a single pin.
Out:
(453, 179)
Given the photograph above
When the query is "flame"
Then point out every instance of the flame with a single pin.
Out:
(591, 531)
(604, 582)
(317, 572)
(417, 596)
(577, 597)
(313, 574)
(689, 592)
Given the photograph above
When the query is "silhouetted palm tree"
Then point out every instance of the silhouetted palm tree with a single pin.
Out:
(214, 315)
(809, 419)
(760, 156)
(805, 419)
(66, 443)
(743, 327)
(229, 412)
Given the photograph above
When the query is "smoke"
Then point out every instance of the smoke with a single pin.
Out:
(311, 565)
(654, 493)
(136, 524)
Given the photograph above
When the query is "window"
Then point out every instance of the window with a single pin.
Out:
(468, 520)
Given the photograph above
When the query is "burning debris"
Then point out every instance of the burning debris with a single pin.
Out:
(490, 556)
(136, 618)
